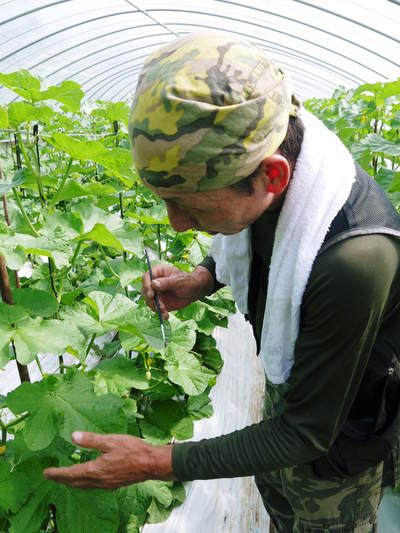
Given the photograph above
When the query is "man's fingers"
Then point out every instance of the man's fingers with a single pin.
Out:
(70, 474)
(86, 439)
(164, 284)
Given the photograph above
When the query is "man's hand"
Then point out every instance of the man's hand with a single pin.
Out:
(176, 289)
(125, 460)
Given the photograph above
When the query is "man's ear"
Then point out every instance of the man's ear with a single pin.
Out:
(276, 173)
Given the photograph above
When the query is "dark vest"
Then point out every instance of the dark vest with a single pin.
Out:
(373, 423)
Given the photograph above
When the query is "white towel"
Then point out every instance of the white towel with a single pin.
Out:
(318, 189)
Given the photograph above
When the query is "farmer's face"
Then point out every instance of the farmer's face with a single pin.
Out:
(222, 211)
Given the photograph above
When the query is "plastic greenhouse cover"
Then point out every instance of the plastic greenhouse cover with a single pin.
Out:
(102, 43)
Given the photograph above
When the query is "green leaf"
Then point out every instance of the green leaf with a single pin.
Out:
(128, 271)
(103, 236)
(118, 160)
(63, 404)
(157, 513)
(12, 252)
(185, 370)
(112, 111)
(119, 375)
(20, 112)
(212, 359)
(395, 122)
(83, 511)
(376, 144)
(19, 178)
(34, 511)
(166, 419)
(55, 243)
(14, 488)
(21, 82)
(33, 336)
(195, 252)
(133, 504)
(37, 302)
(395, 185)
(73, 189)
(131, 239)
(108, 230)
(69, 224)
(163, 391)
(183, 334)
(68, 93)
(199, 406)
(156, 214)
(3, 117)
(111, 311)
(90, 215)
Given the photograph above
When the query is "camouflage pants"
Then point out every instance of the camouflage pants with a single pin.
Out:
(300, 500)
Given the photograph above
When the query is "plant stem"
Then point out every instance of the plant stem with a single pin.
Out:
(121, 210)
(107, 261)
(3, 434)
(64, 179)
(159, 241)
(7, 217)
(17, 152)
(61, 364)
(172, 243)
(36, 141)
(51, 272)
(89, 347)
(17, 421)
(70, 267)
(39, 365)
(22, 369)
(166, 246)
(6, 295)
(29, 165)
(23, 213)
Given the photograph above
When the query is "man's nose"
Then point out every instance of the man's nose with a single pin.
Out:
(178, 219)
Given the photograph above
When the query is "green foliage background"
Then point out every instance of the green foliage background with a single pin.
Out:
(367, 120)
(79, 221)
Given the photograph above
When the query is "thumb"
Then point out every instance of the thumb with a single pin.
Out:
(85, 439)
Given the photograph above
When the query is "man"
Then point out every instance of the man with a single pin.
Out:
(311, 249)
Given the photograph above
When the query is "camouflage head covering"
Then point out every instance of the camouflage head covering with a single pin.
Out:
(208, 109)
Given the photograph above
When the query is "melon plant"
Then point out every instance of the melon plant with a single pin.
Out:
(76, 221)
(367, 120)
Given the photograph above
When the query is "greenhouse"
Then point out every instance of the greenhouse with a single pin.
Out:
(199, 266)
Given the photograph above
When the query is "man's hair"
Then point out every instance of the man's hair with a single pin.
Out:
(289, 148)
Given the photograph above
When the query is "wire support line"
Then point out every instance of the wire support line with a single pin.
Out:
(343, 17)
(281, 32)
(73, 26)
(304, 58)
(33, 11)
(286, 50)
(101, 36)
(151, 17)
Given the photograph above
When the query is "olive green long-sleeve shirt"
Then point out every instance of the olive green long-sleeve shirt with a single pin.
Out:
(350, 287)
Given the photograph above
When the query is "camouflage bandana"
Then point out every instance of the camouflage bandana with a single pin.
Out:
(208, 109)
